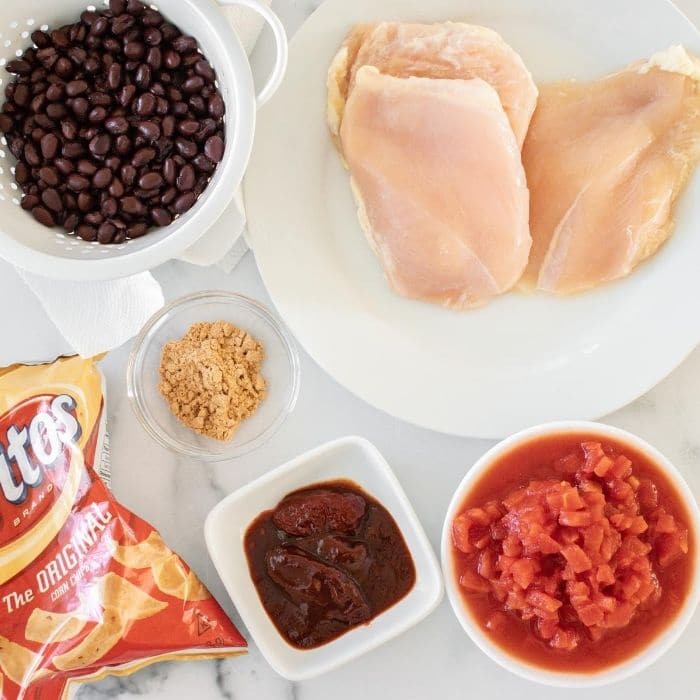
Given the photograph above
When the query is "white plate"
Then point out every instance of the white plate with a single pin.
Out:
(522, 359)
(351, 458)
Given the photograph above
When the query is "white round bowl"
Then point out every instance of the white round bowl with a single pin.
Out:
(566, 679)
(54, 253)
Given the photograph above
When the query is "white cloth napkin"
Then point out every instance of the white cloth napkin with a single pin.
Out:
(95, 317)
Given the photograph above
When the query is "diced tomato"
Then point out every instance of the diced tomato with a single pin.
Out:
(578, 559)
(571, 556)
(575, 518)
(605, 575)
(590, 614)
(622, 467)
(566, 640)
(671, 546)
(473, 582)
(541, 600)
(603, 467)
(523, 572)
(665, 523)
(647, 494)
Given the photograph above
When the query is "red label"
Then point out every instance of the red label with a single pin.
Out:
(35, 458)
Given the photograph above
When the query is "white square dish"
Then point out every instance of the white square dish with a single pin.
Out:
(352, 458)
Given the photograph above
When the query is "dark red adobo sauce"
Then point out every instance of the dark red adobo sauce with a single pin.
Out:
(328, 558)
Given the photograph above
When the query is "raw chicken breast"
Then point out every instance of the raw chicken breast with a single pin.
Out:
(448, 50)
(605, 161)
(439, 183)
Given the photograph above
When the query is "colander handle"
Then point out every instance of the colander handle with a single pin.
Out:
(273, 82)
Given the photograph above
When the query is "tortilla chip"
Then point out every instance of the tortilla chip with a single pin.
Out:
(116, 593)
(101, 640)
(18, 663)
(48, 627)
(143, 554)
(173, 579)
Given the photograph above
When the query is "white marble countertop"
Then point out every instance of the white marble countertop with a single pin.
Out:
(434, 659)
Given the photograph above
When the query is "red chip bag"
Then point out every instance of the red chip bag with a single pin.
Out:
(86, 587)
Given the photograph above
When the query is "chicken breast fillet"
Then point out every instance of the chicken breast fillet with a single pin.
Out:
(446, 50)
(439, 183)
(605, 162)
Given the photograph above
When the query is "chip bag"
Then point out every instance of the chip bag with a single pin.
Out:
(87, 588)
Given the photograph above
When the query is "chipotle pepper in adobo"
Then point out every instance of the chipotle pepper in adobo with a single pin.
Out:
(326, 559)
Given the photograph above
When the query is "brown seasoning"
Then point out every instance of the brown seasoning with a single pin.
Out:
(211, 378)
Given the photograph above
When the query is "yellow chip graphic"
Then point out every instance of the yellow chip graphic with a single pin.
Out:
(101, 639)
(18, 663)
(143, 554)
(172, 578)
(116, 593)
(47, 627)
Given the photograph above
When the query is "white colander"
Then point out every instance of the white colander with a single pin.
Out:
(54, 253)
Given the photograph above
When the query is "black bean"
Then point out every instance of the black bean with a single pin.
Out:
(116, 189)
(169, 195)
(63, 67)
(204, 69)
(85, 201)
(154, 58)
(18, 66)
(22, 173)
(131, 205)
(149, 130)
(109, 207)
(64, 166)
(80, 107)
(97, 115)
(101, 145)
(151, 180)
(94, 218)
(143, 76)
(22, 95)
(70, 222)
(184, 44)
(186, 148)
(134, 50)
(126, 95)
(102, 178)
(128, 174)
(161, 216)
(123, 145)
(114, 76)
(184, 202)
(43, 216)
(49, 175)
(31, 155)
(77, 183)
(214, 148)
(188, 127)
(145, 104)
(86, 167)
(52, 199)
(186, 178)
(202, 163)
(49, 146)
(193, 84)
(216, 106)
(117, 125)
(143, 156)
(86, 232)
(29, 201)
(106, 232)
(171, 59)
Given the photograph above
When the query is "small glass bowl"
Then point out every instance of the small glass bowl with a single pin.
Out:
(280, 370)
